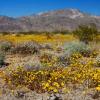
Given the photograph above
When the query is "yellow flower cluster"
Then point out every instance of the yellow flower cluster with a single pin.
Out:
(39, 38)
(48, 60)
(54, 79)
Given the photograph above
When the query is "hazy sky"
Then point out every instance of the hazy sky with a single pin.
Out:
(27, 7)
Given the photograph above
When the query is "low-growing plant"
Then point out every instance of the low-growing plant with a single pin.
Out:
(28, 47)
(77, 47)
(32, 66)
(2, 58)
(47, 46)
(98, 60)
(48, 59)
(5, 46)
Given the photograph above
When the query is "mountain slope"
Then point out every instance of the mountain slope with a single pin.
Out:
(58, 20)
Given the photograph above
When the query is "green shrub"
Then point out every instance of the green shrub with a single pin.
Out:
(63, 59)
(32, 66)
(98, 60)
(61, 32)
(86, 33)
(2, 58)
(5, 46)
(77, 47)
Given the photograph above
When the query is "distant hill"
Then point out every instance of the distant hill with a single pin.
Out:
(67, 19)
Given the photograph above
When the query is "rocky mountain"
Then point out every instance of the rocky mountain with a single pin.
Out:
(67, 19)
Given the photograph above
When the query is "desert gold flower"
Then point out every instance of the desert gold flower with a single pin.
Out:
(98, 88)
(55, 90)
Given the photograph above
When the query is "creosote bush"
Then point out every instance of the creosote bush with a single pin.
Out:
(86, 33)
(2, 58)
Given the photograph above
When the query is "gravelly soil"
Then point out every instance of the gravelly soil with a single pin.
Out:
(77, 94)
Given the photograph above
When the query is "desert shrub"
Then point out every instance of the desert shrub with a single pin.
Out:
(17, 34)
(5, 33)
(86, 33)
(47, 46)
(94, 53)
(32, 66)
(98, 60)
(30, 32)
(66, 59)
(50, 60)
(5, 46)
(46, 59)
(74, 51)
(2, 58)
(77, 47)
(48, 35)
(63, 59)
(28, 47)
(61, 31)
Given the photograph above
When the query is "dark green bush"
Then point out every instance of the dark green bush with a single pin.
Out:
(5, 46)
(2, 58)
(86, 33)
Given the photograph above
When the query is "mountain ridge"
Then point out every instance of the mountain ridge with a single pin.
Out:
(57, 20)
